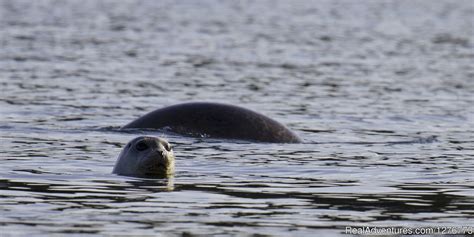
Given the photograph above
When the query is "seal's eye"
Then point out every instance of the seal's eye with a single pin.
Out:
(167, 146)
(141, 146)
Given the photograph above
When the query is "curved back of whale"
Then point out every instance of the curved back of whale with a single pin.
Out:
(217, 121)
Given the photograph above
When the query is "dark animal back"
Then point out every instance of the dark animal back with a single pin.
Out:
(216, 120)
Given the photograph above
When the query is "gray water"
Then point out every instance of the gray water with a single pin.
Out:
(380, 91)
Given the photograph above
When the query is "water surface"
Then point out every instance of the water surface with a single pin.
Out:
(380, 91)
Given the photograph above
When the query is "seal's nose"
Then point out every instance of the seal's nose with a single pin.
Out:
(157, 146)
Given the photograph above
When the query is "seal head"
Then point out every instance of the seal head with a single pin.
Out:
(146, 156)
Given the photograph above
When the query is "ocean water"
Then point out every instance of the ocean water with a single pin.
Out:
(381, 92)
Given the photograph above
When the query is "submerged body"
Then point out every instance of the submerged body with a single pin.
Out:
(217, 121)
(146, 156)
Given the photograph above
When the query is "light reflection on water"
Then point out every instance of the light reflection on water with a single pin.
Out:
(386, 114)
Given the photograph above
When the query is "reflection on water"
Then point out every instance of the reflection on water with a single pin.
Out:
(381, 93)
(95, 205)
